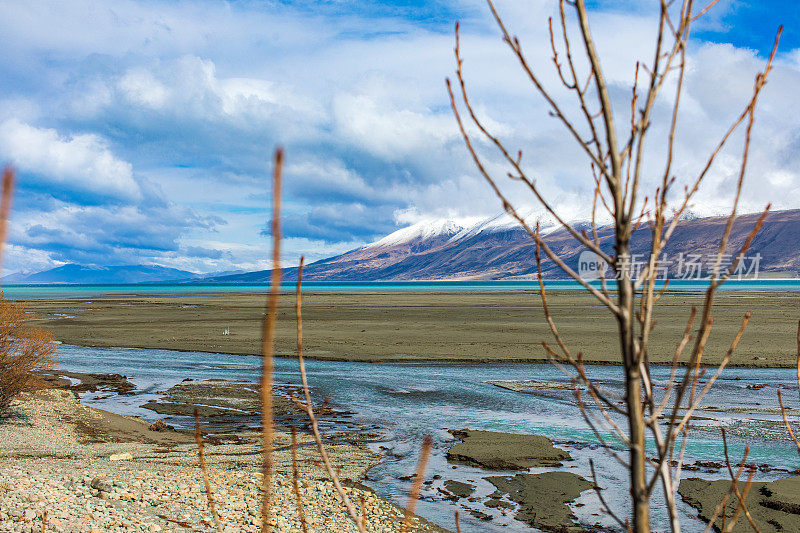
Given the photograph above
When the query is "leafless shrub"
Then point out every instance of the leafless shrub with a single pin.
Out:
(616, 165)
(25, 351)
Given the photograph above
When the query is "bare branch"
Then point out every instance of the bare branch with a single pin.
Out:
(696, 402)
(786, 423)
(267, 345)
(604, 98)
(705, 10)
(761, 80)
(309, 408)
(425, 453)
(198, 437)
(742, 496)
(515, 163)
(296, 483)
(721, 505)
(9, 178)
(514, 44)
(599, 491)
(509, 208)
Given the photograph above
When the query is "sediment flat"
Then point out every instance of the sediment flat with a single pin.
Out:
(414, 327)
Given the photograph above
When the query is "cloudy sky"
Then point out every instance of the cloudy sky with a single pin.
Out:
(143, 130)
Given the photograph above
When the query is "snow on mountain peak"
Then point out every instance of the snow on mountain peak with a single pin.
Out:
(502, 222)
(425, 229)
(457, 229)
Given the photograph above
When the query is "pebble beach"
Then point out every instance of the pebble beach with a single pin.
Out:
(70, 467)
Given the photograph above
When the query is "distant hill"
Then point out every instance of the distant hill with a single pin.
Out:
(498, 248)
(81, 274)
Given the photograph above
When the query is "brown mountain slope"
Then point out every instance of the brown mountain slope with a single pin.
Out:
(508, 253)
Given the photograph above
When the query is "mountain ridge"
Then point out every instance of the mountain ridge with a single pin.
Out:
(493, 248)
(497, 250)
(98, 275)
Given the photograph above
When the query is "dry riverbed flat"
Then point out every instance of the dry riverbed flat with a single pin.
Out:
(93, 471)
(447, 327)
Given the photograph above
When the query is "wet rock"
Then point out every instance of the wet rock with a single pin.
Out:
(88, 382)
(219, 398)
(497, 503)
(504, 451)
(462, 490)
(530, 385)
(160, 425)
(774, 505)
(479, 514)
(447, 495)
(543, 498)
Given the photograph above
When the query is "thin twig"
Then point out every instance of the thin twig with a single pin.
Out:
(424, 455)
(198, 436)
(268, 345)
(741, 496)
(742, 507)
(308, 406)
(721, 505)
(9, 178)
(603, 502)
(786, 423)
(296, 482)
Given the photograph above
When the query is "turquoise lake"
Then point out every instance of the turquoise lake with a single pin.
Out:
(123, 290)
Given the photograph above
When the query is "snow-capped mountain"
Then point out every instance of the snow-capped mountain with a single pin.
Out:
(498, 248)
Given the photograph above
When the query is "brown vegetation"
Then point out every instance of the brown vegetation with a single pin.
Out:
(24, 352)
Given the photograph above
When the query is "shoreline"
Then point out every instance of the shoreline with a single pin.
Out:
(448, 361)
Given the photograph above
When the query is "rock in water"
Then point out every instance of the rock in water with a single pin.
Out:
(494, 450)
(461, 490)
(774, 505)
(543, 498)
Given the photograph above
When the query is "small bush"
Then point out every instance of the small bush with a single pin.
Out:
(25, 351)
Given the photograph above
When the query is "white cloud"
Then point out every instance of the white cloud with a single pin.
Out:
(140, 87)
(194, 95)
(82, 161)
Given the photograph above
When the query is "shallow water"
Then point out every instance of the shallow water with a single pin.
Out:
(30, 292)
(408, 401)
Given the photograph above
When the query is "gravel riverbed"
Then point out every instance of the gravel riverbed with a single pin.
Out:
(93, 471)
